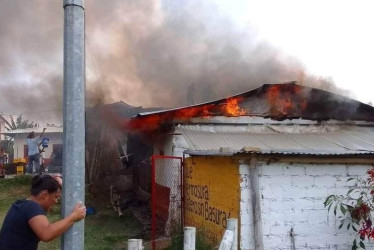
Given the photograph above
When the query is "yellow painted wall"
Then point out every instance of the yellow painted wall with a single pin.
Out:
(211, 186)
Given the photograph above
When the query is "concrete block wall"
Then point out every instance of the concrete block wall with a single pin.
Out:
(291, 199)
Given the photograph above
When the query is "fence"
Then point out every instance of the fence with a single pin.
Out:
(167, 199)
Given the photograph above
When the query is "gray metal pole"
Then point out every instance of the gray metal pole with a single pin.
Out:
(73, 159)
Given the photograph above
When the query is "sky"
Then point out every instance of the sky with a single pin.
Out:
(170, 53)
(332, 38)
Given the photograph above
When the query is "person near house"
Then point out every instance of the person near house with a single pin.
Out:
(2, 162)
(33, 151)
(26, 222)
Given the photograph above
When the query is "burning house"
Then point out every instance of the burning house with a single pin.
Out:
(107, 158)
(269, 157)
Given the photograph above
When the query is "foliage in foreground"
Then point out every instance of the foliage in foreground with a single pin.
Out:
(356, 207)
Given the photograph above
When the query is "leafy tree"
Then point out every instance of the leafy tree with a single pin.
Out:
(20, 124)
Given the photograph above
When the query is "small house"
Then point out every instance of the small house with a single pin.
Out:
(269, 157)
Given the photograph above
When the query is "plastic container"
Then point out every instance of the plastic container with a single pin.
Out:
(19, 160)
(90, 210)
(20, 170)
(45, 142)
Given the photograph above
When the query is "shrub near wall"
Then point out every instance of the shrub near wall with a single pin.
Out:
(356, 208)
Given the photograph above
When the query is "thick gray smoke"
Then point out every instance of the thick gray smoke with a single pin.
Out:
(145, 52)
(31, 59)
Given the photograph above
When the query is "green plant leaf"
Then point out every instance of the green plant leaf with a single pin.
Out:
(362, 245)
(354, 246)
(349, 225)
(342, 208)
(349, 179)
(329, 207)
(359, 201)
(327, 200)
(341, 225)
(336, 206)
(354, 229)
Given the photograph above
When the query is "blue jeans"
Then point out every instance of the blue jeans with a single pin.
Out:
(33, 158)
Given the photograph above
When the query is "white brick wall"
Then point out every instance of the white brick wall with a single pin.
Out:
(292, 196)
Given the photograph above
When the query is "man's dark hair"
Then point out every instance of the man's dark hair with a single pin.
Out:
(31, 135)
(40, 183)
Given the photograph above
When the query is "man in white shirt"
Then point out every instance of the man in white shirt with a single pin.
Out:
(33, 151)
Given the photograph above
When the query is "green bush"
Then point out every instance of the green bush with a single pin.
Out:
(356, 209)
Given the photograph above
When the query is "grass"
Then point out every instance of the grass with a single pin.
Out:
(103, 230)
(176, 242)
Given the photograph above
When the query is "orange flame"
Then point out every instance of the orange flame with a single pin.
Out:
(285, 101)
(150, 122)
(232, 108)
(153, 122)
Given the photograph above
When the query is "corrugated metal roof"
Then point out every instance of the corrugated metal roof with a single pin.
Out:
(338, 142)
(282, 152)
(36, 130)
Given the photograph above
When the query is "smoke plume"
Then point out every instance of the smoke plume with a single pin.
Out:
(147, 52)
